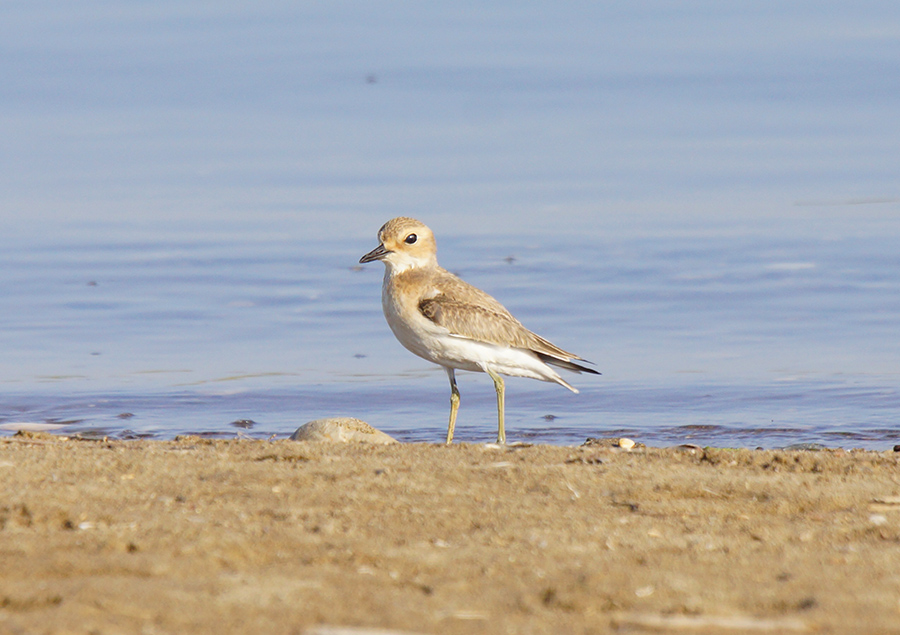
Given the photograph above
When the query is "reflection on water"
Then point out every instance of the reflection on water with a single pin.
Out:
(701, 200)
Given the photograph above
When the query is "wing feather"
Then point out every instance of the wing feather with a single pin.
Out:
(469, 312)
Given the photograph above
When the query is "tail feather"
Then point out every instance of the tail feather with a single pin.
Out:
(565, 363)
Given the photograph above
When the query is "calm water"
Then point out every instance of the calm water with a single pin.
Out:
(702, 200)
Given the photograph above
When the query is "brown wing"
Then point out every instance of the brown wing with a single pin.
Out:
(469, 312)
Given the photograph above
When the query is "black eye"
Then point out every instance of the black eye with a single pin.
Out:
(411, 239)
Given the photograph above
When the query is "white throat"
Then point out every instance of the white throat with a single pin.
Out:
(397, 262)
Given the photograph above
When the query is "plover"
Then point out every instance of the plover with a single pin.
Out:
(449, 322)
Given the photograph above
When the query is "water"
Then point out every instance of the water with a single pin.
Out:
(702, 200)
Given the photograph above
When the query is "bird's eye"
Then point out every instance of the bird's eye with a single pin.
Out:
(411, 239)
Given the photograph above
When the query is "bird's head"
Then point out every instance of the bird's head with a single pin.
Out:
(405, 243)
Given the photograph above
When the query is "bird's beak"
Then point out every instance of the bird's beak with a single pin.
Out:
(376, 254)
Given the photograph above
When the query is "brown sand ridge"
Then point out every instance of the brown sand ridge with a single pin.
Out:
(197, 536)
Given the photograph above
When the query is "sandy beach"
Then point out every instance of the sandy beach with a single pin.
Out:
(200, 536)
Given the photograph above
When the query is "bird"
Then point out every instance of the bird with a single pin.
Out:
(441, 318)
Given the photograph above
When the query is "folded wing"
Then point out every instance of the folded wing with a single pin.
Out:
(466, 311)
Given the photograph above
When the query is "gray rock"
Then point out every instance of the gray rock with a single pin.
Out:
(340, 430)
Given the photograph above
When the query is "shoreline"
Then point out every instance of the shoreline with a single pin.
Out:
(200, 535)
(9, 432)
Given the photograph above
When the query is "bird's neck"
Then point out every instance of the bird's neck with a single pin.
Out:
(405, 265)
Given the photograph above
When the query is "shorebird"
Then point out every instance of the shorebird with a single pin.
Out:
(449, 322)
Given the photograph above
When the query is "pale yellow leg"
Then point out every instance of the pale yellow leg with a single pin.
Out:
(501, 404)
(454, 404)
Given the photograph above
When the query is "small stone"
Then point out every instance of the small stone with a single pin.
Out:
(644, 591)
(612, 443)
(807, 603)
(897, 448)
(340, 430)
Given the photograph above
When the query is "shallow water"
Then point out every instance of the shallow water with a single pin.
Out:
(704, 203)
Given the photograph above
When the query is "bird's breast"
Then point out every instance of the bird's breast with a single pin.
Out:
(401, 310)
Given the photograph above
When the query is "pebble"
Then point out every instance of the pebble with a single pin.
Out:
(622, 443)
(341, 430)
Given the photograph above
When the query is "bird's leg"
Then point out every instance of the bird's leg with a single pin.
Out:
(454, 404)
(501, 404)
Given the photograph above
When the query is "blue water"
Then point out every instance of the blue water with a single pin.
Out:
(701, 199)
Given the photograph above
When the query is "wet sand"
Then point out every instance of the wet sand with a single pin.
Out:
(199, 536)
